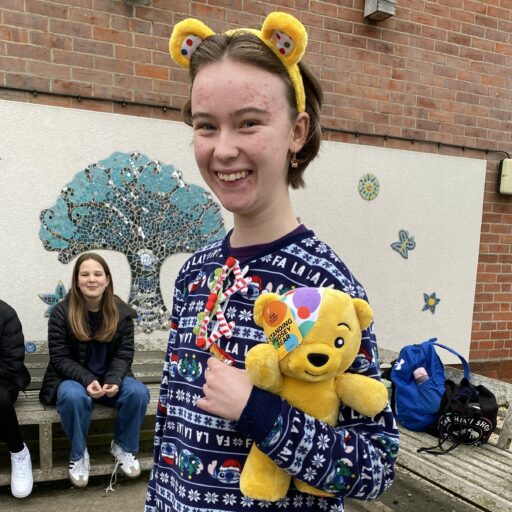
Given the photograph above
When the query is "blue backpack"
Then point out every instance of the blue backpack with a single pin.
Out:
(416, 406)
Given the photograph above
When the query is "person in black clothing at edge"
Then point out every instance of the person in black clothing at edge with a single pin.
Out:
(14, 377)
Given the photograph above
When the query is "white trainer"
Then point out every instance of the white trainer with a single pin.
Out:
(21, 473)
(127, 462)
(79, 470)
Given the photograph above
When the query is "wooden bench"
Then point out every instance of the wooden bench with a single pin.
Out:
(482, 475)
(47, 465)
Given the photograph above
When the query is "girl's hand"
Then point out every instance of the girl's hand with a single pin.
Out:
(95, 390)
(226, 390)
(110, 390)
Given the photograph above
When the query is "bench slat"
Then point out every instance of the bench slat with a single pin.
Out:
(487, 492)
(476, 464)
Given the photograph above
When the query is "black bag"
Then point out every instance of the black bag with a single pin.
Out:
(467, 416)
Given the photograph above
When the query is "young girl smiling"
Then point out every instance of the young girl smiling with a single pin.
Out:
(91, 345)
(254, 111)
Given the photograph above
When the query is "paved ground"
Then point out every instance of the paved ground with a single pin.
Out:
(62, 497)
(406, 495)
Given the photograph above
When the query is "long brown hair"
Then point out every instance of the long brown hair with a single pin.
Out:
(246, 48)
(78, 312)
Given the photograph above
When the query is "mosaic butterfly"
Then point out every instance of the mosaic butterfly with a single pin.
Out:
(405, 244)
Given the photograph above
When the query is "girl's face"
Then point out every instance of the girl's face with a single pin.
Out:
(92, 281)
(243, 136)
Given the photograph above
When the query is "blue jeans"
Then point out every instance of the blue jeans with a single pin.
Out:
(75, 406)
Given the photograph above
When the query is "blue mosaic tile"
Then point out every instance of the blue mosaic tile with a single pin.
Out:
(30, 347)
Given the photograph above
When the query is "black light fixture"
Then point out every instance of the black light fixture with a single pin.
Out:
(378, 10)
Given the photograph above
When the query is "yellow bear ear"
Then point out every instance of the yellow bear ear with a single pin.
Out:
(286, 36)
(364, 312)
(186, 36)
(260, 303)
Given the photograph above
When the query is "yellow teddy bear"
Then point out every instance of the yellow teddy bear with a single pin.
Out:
(314, 335)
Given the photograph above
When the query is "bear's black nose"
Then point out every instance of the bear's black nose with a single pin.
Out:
(318, 359)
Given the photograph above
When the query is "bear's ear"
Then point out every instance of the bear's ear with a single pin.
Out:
(286, 36)
(364, 312)
(186, 36)
(260, 304)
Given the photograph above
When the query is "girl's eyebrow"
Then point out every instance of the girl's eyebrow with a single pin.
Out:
(240, 112)
(250, 110)
(195, 115)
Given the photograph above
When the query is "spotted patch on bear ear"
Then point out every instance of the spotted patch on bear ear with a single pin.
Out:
(286, 36)
(185, 39)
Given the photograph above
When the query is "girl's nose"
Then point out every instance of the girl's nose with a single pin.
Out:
(226, 147)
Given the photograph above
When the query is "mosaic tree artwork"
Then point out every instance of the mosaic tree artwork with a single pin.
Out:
(139, 207)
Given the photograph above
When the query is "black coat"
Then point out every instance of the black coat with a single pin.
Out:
(12, 348)
(69, 356)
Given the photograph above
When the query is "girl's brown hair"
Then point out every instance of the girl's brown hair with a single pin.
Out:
(247, 48)
(77, 312)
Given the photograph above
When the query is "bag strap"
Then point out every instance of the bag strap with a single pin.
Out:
(441, 450)
(465, 365)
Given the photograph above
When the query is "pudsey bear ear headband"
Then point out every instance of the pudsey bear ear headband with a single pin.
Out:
(281, 32)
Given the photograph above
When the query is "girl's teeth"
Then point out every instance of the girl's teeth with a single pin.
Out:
(232, 176)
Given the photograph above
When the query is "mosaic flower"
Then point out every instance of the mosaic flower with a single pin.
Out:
(369, 187)
(52, 299)
(431, 301)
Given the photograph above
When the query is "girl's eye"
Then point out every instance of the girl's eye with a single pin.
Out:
(204, 126)
(249, 124)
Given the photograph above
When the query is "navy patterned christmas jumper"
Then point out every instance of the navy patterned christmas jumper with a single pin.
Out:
(198, 457)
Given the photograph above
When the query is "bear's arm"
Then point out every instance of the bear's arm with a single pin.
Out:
(262, 365)
(365, 395)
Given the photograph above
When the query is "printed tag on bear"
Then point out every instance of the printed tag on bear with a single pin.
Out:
(280, 327)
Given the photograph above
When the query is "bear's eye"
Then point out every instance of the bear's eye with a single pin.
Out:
(339, 342)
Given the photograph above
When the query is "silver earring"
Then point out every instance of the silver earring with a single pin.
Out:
(293, 162)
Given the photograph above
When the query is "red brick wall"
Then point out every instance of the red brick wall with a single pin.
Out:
(438, 71)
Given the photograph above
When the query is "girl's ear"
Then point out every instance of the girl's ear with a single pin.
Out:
(300, 132)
